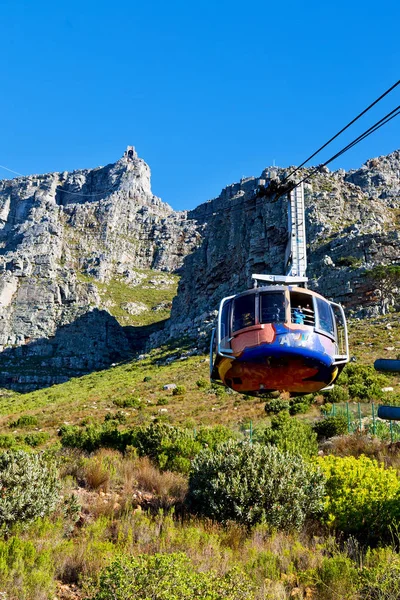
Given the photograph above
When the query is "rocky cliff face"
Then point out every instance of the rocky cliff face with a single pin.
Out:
(88, 259)
(67, 240)
(352, 224)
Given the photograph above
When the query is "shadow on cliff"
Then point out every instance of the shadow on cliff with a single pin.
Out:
(93, 342)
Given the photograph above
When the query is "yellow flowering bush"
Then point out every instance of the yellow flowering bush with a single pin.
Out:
(361, 494)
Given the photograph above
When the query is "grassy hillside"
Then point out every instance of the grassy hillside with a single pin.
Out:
(137, 305)
(137, 389)
(115, 503)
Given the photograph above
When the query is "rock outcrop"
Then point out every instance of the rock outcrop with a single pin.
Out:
(352, 225)
(63, 238)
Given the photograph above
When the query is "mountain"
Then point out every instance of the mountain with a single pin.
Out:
(352, 225)
(90, 260)
(84, 258)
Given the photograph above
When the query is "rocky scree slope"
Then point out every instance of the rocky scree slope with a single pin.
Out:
(352, 225)
(67, 242)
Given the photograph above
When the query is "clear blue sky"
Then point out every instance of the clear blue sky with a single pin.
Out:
(207, 91)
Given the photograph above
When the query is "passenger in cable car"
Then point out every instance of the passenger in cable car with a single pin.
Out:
(273, 308)
(298, 316)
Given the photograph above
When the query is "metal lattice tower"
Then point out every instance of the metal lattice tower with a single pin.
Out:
(296, 251)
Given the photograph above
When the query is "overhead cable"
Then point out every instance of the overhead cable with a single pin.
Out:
(394, 113)
(391, 115)
(344, 129)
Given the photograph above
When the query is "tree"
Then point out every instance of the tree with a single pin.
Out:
(387, 280)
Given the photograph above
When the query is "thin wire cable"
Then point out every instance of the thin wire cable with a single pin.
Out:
(83, 195)
(369, 131)
(344, 129)
(11, 171)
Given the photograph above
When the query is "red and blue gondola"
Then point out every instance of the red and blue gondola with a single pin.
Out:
(278, 338)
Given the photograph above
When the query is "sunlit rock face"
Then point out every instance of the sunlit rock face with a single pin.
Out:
(60, 235)
(352, 224)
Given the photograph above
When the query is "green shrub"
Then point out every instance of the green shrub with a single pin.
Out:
(170, 448)
(337, 577)
(291, 435)
(366, 392)
(300, 404)
(180, 390)
(118, 417)
(338, 394)
(19, 442)
(162, 401)
(361, 495)
(132, 402)
(25, 421)
(8, 441)
(254, 484)
(219, 390)
(299, 408)
(29, 485)
(364, 382)
(94, 436)
(26, 572)
(211, 437)
(331, 426)
(305, 398)
(169, 577)
(276, 405)
(147, 378)
(348, 261)
(202, 383)
(36, 439)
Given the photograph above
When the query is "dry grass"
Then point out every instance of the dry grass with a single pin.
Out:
(102, 469)
(159, 490)
(360, 443)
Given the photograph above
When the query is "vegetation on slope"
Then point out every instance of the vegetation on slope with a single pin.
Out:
(126, 441)
(136, 305)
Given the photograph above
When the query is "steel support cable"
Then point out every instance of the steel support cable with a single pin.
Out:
(391, 115)
(394, 113)
(366, 134)
(344, 129)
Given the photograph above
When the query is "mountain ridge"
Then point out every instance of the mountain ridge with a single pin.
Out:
(90, 258)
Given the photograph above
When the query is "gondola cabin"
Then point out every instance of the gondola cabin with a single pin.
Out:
(278, 337)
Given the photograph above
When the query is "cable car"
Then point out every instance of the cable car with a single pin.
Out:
(278, 337)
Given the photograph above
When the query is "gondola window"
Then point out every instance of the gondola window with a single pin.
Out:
(273, 307)
(244, 314)
(325, 317)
